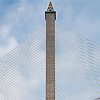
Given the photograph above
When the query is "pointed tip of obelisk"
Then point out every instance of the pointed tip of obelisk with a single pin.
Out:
(50, 7)
(50, 3)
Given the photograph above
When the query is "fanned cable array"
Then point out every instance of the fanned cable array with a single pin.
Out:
(23, 70)
(77, 64)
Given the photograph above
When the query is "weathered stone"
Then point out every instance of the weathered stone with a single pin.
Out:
(50, 55)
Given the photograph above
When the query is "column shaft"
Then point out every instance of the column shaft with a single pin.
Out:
(50, 56)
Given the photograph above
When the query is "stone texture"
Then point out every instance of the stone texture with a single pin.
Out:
(50, 55)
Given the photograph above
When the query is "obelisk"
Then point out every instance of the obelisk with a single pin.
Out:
(50, 17)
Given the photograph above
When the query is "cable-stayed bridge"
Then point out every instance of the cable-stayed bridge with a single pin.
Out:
(77, 67)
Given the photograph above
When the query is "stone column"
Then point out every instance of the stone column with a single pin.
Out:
(50, 17)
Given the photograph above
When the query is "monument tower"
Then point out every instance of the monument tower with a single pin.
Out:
(50, 17)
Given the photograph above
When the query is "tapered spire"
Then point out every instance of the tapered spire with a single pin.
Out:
(50, 7)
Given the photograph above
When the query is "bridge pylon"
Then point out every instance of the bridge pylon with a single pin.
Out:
(50, 17)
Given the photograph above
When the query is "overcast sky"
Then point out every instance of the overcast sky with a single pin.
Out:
(19, 19)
